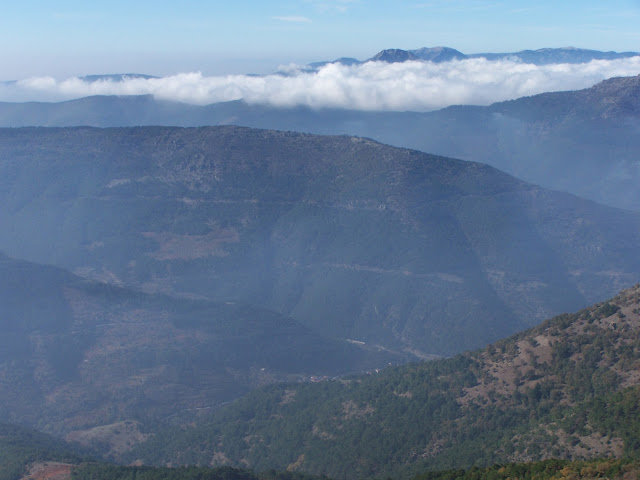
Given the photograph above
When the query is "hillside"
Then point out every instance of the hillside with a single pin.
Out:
(103, 364)
(352, 238)
(22, 447)
(568, 388)
(29, 455)
(548, 469)
(585, 142)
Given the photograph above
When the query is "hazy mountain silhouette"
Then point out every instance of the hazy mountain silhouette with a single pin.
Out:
(76, 354)
(542, 56)
(350, 237)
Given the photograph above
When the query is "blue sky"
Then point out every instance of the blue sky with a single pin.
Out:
(71, 37)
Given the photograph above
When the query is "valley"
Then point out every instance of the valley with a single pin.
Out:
(229, 282)
(99, 364)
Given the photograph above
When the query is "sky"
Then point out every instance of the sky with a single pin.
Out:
(161, 37)
(48, 42)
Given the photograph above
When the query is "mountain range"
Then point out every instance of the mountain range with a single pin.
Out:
(354, 239)
(584, 142)
(29, 455)
(158, 284)
(542, 56)
(565, 389)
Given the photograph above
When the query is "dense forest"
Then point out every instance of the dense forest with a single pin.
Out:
(544, 470)
(20, 447)
(98, 471)
(23, 451)
(565, 389)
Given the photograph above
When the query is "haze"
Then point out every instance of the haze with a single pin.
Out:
(226, 242)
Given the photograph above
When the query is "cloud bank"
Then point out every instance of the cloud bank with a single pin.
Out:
(417, 86)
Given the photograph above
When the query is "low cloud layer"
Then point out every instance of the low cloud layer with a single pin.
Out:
(419, 86)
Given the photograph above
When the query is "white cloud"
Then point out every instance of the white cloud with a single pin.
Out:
(419, 86)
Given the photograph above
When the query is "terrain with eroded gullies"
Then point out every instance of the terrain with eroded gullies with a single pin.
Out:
(352, 238)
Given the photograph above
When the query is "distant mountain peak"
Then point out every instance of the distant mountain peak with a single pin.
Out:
(438, 54)
(540, 56)
(394, 55)
(348, 61)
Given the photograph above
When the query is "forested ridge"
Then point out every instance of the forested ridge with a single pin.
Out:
(349, 237)
(36, 468)
(545, 470)
(100, 471)
(21, 447)
(27, 454)
(565, 389)
(583, 142)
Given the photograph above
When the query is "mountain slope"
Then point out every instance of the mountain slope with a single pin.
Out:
(584, 142)
(30, 455)
(548, 469)
(352, 238)
(567, 388)
(76, 355)
(21, 447)
(393, 55)
(438, 54)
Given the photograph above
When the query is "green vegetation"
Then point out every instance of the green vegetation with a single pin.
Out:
(565, 389)
(20, 447)
(545, 470)
(98, 471)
